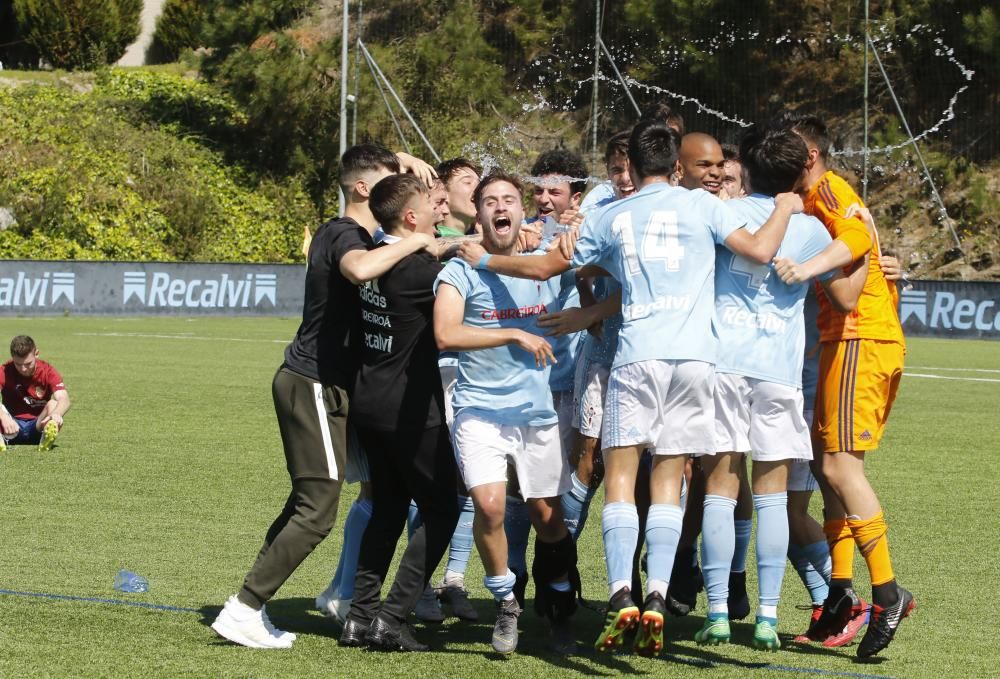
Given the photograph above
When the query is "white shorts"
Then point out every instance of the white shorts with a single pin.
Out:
(800, 476)
(357, 460)
(759, 417)
(590, 388)
(449, 376)
(667, 406)
(563, 402)
(483, 449)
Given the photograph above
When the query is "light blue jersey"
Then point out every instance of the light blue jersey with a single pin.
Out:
(602, 351)
(566, 348)
(759, 318)
(660, 245)
(503, 384)
(597, 197)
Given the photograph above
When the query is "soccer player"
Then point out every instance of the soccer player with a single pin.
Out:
(596, 354)
(758, 396)
(310, 394)
(398, 411)
(861, 363)
(33, 398)
(702, 163)
(504, 411)
(660, 245)
(732, 174)
(460, 177)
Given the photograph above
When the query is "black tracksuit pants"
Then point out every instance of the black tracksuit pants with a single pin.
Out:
(404, 465)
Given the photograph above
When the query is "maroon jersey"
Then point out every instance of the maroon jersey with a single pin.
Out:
(25, 397)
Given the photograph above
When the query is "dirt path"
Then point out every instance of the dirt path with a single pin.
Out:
(135, 54)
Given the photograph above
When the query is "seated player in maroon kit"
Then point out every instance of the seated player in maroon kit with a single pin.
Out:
(34, 397)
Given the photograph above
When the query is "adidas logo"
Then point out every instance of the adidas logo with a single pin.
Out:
(865, 435)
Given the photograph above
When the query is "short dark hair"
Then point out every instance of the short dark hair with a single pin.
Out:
(389, 197)
(807, 125)
(652, 149)
(497, 175)
(773, 159)
(662, 112)
(617, 146)
(565, 164)
(448, 169)
(730, 152)
(365, 158)
(21, 346)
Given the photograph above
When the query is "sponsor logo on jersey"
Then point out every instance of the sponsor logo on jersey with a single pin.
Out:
(370, 293)
(376, 319)
(160, 289)
(632, 312)
(865, 435)
(746, 319)
(514, 312)
(37, 291)
(378, 342)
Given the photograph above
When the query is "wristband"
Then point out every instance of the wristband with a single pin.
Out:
(481, 264)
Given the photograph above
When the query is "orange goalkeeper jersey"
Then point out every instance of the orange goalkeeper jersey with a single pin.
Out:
(875, 316)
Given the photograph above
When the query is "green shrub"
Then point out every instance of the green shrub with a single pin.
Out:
(86, 180)
(79, 34)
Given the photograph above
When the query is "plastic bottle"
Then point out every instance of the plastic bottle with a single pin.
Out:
(127, 581)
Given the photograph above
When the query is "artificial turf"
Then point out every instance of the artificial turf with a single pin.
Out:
(170, 465)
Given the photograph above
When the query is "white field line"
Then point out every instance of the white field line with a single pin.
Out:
(946, 377)
(957, 370)
(178, 337)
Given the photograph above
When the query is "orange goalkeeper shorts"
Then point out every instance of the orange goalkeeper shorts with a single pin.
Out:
(858, 380)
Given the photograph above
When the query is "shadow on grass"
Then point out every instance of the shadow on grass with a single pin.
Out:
(462, 638)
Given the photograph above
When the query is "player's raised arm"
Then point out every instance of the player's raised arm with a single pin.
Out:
(536, 267)
(361, 266)
(763, 245)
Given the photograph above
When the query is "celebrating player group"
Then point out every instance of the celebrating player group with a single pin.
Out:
(481, 373)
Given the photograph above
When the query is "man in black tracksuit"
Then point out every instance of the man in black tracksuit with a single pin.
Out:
(310, 395)
(397, 408)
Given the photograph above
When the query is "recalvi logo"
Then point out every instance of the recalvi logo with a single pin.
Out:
(160, 289)
(37, 291)
(946, 311)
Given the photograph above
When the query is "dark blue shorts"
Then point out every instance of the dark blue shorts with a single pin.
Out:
(27, 433)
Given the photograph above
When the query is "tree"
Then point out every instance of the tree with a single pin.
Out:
(79, 34)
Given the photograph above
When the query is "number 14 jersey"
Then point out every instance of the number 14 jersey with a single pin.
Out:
(660, 245)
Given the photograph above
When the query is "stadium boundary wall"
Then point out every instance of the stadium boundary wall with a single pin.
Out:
(30, 288)
(969, 309)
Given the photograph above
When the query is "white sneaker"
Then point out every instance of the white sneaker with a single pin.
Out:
(281, 634)
(242, 625)
(428, 609)
(332, 607)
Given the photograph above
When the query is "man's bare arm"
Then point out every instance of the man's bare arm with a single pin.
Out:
(763, 245)
(361, 266)
(534, 267)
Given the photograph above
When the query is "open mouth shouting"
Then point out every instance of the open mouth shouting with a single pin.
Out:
(502, 225)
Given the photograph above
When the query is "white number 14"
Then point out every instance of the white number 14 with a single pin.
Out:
(660, 242)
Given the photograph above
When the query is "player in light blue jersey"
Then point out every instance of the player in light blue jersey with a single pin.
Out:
(504, 411)
(660, 245)
(758, 395)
